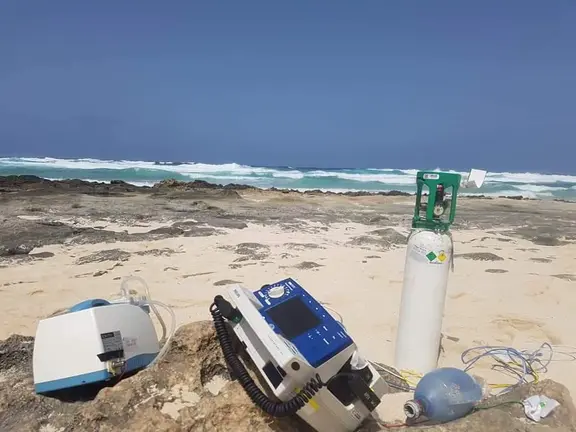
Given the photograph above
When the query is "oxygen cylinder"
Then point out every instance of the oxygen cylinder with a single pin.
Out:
(428, 261)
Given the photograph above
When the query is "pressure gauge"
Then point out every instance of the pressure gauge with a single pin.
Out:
(438, 210)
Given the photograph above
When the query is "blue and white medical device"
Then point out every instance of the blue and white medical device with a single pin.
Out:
(305, 356)
(97, 341)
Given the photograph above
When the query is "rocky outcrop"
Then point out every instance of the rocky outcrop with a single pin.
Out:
(198, 184)
(189, 390)
(382, 239)
(194, 189)
(20, 237)
(37, 185)
(508, 416)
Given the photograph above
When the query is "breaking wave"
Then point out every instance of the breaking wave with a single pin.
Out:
(530, 185)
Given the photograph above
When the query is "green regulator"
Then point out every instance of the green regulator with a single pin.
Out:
(432, 214)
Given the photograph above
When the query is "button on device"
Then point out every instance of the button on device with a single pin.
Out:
(276, 292)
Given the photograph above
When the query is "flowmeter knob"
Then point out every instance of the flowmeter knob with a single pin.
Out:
(276, 292)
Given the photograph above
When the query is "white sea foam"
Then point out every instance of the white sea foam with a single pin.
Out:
(373, 179)
(294, 174)
(530, 178)
(385, 175)
(382, 178)
(539, 188)
(509, 193)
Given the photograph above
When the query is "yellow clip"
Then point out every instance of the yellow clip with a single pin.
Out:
(312, 403)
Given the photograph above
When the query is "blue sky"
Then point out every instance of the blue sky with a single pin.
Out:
(324, 83)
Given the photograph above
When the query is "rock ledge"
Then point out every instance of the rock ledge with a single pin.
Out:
(189, 390)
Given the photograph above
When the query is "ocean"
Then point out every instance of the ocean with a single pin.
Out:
(529, 185)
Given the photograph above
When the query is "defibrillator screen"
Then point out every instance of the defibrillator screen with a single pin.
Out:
(293, 317)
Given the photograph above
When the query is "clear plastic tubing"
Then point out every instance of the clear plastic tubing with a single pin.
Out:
(443, 395)
(166, 335)
(126, 294)
(166, 345)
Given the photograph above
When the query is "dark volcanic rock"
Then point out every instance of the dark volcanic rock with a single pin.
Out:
(541, 260)
(307, 265)
(543, 236)
(350, 194)
(504, 414)
(16, 249)
(174, 396)
(220, 222)
(201, 232)
(197, 184)
(16, 352)
(198, 189)
(367, 241)
(480, 256)
(185, 190)
(195, 274)
(548, 240)
(195, 207)
(171, 231)
(377, 220)
(383, 239)
(390, 193)
(22, 236)
(42, 255)
(225, 282)
(193, 229)
(208, 193)
(26, 258)
(36, 185)
(171, 396)
(303, 246)
(104, 255)
(390, 235)
(252, 251)
(157, 252)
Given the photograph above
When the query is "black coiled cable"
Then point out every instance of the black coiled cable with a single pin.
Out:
(275, 409)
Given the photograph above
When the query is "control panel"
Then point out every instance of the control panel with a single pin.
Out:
(294, 314)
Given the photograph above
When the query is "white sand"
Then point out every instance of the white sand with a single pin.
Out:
(526, 304)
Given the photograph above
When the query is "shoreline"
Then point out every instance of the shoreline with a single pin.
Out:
(28, 202)
(66, 241)
(19, 181)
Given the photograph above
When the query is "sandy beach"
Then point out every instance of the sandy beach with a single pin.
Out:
(513, 281)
